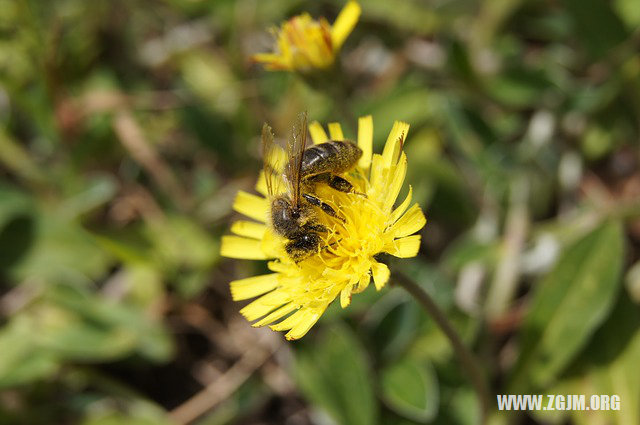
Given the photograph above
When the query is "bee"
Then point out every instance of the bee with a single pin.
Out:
(292, 211)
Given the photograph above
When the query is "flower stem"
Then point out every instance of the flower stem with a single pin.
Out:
(468, 360)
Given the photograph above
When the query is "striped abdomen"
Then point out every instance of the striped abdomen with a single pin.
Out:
(334, 156)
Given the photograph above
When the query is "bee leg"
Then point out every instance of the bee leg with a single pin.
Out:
(343, 185)
(336, 182)
(315, 228)
(328, 209)
(317, 178)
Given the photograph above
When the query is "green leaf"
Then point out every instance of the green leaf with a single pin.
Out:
(597, 26)
(468, 249)
(407, 102)
(334, 374)
(57, 247)
(16, 226)
(411, 389)
(95, 328)
(410, 15)
(519, 88)
(129, 245)
(138, 412)
(604, 367)
(569, 304)
(629, 11)
(93, 193)
(77, 340)
(181, 241)
(186, 249)
(611, 355)
(597, 142)
(464, 409)
(392, 323)
(16, 240)
(14, 202)
(21, 362)
(113, 418)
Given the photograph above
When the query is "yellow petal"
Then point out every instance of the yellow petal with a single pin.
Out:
(344, 24)
(409, 223)
(345, 296)
(335, 131)
(393, 146)
(252, 206)
(402, 207)
(377, 173)
(304, 323)
(261, 184)
(249, 229)
(272, 245)
(380, 273)
(266, 58)
(276, 315)
(399, 173)
(326, 53)
(317, 133)
(290, 321)
(365, 141)
(274, 62)
(278, 266)
(250, 287)
(404, 247)
(363, 283)
(239, 247)
(278, 158)
(264, 305)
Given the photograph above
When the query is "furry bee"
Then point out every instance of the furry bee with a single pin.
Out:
(292, 211)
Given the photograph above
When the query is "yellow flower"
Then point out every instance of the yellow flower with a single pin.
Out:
(299, 293)
(305, 44)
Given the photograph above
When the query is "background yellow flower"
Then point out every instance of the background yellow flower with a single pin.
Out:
(304, 44)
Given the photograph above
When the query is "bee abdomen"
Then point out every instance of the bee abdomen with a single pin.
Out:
(335, 156)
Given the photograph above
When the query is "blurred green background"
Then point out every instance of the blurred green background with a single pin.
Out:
(127, 127)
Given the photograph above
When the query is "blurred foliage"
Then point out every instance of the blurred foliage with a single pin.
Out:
(126, 128)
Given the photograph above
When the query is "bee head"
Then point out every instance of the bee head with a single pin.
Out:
(287, 219)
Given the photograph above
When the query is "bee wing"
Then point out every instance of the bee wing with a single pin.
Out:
(295, 149)
(271, 161)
